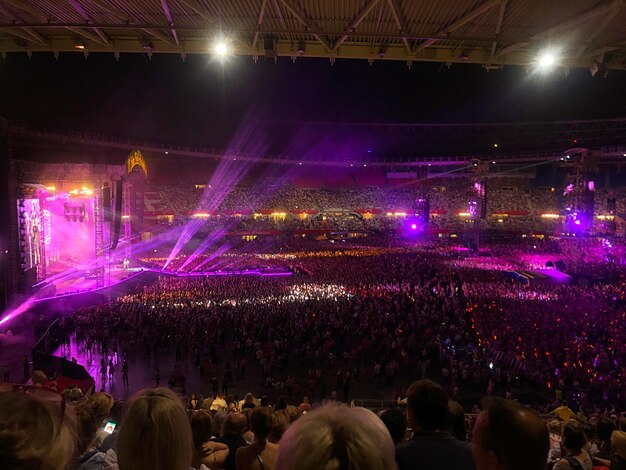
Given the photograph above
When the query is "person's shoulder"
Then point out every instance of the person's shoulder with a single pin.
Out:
(93, 461)
(408, 447)
(243, 450)
(416, 454)
(245, 454)
(426, 444)
(405, 454)
(562, 464)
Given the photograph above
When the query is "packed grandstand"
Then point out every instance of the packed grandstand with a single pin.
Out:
(513, 205)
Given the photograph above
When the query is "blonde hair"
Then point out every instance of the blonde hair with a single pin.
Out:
(33, 433)
(336, 437)
(280, 423)
(293, 412)
(155, 433)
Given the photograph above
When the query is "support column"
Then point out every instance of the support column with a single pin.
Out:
(101, 263)
(126, 219)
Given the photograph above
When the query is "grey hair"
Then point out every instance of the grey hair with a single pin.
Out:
(336, 437)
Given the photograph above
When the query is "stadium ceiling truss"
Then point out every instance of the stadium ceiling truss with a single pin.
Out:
(493, 33)
(606, 139)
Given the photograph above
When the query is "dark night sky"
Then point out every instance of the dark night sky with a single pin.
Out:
(200, 101)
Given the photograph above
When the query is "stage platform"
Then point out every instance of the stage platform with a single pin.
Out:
(541, 276)
(79, 281)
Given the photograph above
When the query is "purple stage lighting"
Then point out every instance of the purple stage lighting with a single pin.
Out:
(577, 224)
(412, 227)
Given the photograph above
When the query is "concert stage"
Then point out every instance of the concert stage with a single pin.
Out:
(541, 277)
(79, 281)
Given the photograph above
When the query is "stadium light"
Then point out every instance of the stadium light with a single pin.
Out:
(221, 48)
(547, 60)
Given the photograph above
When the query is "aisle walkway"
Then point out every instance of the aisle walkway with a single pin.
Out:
(141, 369)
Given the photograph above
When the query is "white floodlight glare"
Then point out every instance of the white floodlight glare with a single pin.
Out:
(221, 48)
(547, 60)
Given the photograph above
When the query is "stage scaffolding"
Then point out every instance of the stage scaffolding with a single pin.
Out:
(98, 218)
(126, 214)
(579, 191)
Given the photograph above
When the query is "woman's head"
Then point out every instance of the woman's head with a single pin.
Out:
(335, 436)
(87, 426)
(293, 413)
(155, 433)
(280, 422)
(201, 427)
(34, 430)
(574, 438)
(261, 423)
(101, 404)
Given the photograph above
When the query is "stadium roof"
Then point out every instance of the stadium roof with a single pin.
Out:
(587, 33)
(407, 144)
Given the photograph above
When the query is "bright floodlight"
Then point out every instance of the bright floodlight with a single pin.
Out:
(221, 49)
(547, 59)
(414, 226)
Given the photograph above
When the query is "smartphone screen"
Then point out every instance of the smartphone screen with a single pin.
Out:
(109, 427)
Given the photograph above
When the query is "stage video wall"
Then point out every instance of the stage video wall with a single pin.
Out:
(57, 233)
(72, 232)
(31, 226)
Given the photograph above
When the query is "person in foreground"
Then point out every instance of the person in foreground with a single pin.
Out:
(205, 452)
(509, 436)
(336, 437)
(155, 433)
(431, 445)
(36, 431)
(261, 454)
(233, 429)
(574, 442)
